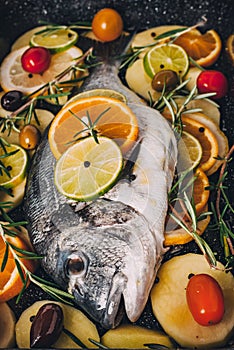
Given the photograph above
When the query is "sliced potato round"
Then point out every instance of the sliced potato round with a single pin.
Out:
(74, 321)
(208, 107)
(7, 327)
(168, 298)
(140, 82)
(134, 337)
(147, 37)
(192, 74)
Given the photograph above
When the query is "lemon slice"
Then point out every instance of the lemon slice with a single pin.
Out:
(13, 77)
(16, 162)
(190, 152)
(166, 56)
(88, 169)
(55, 40)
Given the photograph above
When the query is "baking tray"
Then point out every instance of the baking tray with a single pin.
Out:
(17, 16)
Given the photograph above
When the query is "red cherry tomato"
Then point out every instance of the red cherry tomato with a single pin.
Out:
(36, 60)
(205, 299)
(212, 81)
(107, 24)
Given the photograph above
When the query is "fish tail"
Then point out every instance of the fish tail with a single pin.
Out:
(110, 52)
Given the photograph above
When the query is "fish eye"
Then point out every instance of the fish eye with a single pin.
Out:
(75, 265)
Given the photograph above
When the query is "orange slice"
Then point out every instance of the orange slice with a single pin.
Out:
(201, 192)
(112, 118)
(203, 48)
(180, 236)
(230, 48)
(10, 281)
(207, 139)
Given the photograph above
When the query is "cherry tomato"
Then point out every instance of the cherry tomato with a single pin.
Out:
(107, 24)
(36, 60)
(212, 81)
(205, 299)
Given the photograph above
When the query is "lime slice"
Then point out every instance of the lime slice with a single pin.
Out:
(166, 56)
(88, 169)
(99, 92)
(55, 40)
(16, 162)
(190, 152)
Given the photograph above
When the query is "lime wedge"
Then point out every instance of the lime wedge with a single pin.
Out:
(16, 162)
(88, 169)
(166, 56)
(190, 152)
(56, 40)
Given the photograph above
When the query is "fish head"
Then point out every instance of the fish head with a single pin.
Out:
(108, 269)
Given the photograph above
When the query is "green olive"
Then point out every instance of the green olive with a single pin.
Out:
(168, 77)
(29, 137)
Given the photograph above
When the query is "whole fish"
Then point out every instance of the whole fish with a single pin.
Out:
(107, 252)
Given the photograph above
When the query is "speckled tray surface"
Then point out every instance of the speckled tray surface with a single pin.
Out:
(17, 16)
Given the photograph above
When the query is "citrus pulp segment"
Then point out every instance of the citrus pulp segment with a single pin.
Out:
(207, 139)
(56, 40)
(88, 169)
(16, 162)
(10, 280)
(166, 56)
(13, 77)
(203, 48)
(201, 191)
(189, 146)
(112, 118)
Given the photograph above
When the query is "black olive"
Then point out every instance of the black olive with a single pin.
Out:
(12, 100)
(168, 77)
(46, 326)
(29, 137)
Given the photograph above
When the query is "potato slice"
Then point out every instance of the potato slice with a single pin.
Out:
(134, 337)
(208, 108)
(170, 307)
(147, 37)
(7, 326)
(192, 74)
(140, 82)
(74, 321)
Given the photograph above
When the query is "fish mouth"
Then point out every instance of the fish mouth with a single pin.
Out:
(115, 309)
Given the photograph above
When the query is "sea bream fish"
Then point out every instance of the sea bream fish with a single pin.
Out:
(107, 252)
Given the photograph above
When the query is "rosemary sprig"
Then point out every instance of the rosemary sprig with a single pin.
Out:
(191, 229)
(188, 219)
(226, 235)
(3, 169)
(129, 58)
(52, 27)
(89, 125)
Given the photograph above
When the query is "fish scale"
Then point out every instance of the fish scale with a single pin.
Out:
(118, 237)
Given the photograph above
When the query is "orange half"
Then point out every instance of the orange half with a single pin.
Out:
(203, 48)
(112, 118)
